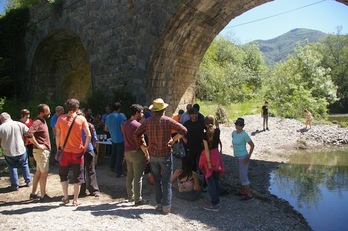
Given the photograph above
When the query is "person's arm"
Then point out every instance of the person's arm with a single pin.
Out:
(39, 146)
(175, 175)
(88, 135)
(207, 153)
(57, 139)
(251, 149)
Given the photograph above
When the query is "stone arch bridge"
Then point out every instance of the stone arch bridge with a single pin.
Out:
(151, 48)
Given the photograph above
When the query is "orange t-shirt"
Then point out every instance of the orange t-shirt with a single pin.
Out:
(176, 118)
(74, 143)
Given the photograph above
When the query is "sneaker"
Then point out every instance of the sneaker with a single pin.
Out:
(96, 194)
(129, 200)
(210, 207)
(247, 198)
(12, 188)
(141, 202)
(45, 198)
(158, 207)
(166, 212)
(34, 196)
(27, 184)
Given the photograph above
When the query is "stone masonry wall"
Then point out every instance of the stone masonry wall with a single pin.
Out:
(151, 48)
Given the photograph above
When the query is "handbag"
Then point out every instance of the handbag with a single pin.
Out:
(59, 153)
(178, 150)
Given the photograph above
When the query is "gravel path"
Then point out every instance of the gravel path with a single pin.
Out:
(110, 212)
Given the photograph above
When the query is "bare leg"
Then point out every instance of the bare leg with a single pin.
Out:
(43, 181)
(77, 188)
(65, 189)
(36, 180)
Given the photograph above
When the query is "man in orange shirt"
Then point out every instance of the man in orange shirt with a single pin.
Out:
(74, 148)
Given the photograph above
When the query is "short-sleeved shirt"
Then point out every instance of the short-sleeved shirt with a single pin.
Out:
(11, 138)
(74, 143)
(114, 121)
(53, 121)
(239, 142)
(216, 138)
(194, 134)
(39, 130)
(158, 130)
(130, 140)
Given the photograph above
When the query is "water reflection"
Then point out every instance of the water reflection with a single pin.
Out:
(316, 185)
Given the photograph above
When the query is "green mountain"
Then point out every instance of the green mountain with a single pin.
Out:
(277, 49)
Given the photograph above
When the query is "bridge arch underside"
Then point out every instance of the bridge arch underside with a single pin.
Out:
(61, 68)
(183, 45)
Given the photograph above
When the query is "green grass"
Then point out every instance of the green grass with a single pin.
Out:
(233, 111)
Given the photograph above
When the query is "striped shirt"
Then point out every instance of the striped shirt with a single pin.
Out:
(158, 130)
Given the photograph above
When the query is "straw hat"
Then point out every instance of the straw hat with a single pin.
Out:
(158, 105)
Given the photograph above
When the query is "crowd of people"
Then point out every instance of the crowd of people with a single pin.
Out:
(143, 141)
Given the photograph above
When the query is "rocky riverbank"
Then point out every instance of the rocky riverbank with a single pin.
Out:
(110, 212)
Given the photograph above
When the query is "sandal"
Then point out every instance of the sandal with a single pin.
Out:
(76, 203)
(65, 201)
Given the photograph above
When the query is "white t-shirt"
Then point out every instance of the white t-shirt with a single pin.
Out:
(11, 137)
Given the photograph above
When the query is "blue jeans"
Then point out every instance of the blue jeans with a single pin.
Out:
(162, 171)
(18, 162)
(117, 153)
(213, 187)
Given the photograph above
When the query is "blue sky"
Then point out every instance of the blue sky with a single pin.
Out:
(280, 16)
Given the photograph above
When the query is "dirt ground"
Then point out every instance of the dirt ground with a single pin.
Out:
(111, 212)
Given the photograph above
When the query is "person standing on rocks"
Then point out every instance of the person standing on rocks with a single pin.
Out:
(12, 143)
(239, 140)
(309, 118)
(158, 130)
(39, 135)
(264, 115)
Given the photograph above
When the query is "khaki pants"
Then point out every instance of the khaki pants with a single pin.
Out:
(135, 169)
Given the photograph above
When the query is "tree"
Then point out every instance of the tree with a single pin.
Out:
(14, 4)
(230, 73)
(301, 82)
(334, 49)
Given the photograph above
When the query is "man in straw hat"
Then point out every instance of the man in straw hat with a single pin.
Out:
(158, 129)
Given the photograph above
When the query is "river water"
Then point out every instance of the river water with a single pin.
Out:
(316, 185)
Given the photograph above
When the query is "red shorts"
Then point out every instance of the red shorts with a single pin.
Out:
(71, 158)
